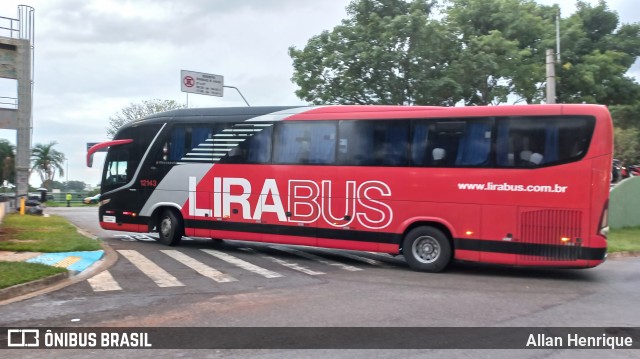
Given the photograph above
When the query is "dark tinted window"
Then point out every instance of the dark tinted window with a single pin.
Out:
(248, 142)
(451, 143)
(189, 143)
(122, 161)
(305, 142)
(373, 143)
(531, 142)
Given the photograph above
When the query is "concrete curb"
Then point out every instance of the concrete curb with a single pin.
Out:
(28, 287)
(626, 254)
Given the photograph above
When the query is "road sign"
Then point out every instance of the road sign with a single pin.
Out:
(201, 83)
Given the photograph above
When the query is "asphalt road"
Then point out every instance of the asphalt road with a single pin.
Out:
(260, 285)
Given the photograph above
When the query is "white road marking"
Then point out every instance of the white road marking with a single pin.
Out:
(370, 261)
(316, 258)
(103, 282)
(161, 277)
(199, 267)
(242, 264)
(294, 266)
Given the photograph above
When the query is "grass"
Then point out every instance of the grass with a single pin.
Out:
(37, 234)
(13, 273)
(624, 240)
(42, 234)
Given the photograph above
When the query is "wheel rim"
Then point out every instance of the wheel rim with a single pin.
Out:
(426, 249)
(165, 227)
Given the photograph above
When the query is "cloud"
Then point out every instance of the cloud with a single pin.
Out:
(92, 58)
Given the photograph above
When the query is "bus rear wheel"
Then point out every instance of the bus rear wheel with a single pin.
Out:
(170, 228)
(427, 249)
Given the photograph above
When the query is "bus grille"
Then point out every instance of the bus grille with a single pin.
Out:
(541, 233)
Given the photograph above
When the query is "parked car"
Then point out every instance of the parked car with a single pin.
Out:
(32, 206)
(91, 200)
(616, 171)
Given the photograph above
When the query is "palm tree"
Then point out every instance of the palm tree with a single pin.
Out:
(7, 158)
(46, 160)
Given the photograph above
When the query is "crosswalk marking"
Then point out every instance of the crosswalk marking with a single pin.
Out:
(242, 264)
(370, 261)
(316, 258)
(161, 277)
(294, 266)
(199, 267)
(103, 282)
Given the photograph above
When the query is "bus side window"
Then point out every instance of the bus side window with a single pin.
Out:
(374, 143)
(533, 142)
(189, 143)
(305, 142)
(257, 149)
(474, 146)
(420, 144)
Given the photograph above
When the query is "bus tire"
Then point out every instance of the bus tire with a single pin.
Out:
(427, 249)
(170, 228)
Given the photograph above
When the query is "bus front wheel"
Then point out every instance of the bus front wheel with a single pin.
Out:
(426, 249)
(170, 229)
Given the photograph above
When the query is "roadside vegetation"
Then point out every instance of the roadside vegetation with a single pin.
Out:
(42, 234)
(14, 273)
(37, 234)
(624, 240)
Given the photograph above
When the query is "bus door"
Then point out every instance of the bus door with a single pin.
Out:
(124, 195)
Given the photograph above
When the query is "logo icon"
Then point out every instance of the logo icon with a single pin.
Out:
(23, 338)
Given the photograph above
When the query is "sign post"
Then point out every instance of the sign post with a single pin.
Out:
(201, 83)
(204, 84)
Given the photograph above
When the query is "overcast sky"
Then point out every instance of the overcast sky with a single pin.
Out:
(94, 57)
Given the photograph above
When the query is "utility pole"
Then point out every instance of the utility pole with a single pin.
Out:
(551, 77)
(551, 65)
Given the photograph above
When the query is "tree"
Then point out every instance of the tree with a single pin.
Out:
(77, 186)
(627, 145)
(597, 53)
(46, 161)
(140, 110)
(626, 119)
(478, 51)
(503, 46)
(385, 52)
(7, 164)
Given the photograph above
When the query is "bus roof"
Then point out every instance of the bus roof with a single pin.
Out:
(275, 113)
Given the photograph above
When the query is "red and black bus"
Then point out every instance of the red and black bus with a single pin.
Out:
(517, 185)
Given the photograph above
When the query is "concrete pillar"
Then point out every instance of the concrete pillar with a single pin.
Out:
(23, 148)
